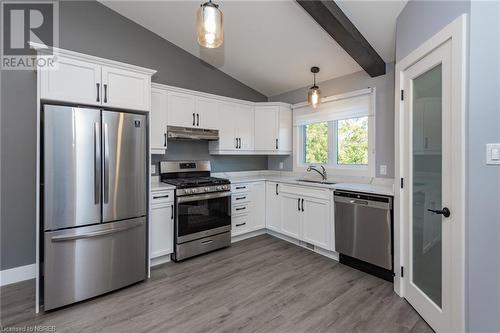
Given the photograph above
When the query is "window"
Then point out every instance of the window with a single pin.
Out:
(316, 143)
(339, 136)
(352, 141)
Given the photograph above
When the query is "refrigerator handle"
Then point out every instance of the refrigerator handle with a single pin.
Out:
(106, 165)
(97, 163)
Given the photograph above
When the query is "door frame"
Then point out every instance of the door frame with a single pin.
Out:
(456, 33)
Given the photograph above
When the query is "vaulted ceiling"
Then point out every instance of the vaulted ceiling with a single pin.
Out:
(269, 45)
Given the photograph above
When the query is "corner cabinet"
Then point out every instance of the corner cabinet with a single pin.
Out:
(273, 129)
(82, 79)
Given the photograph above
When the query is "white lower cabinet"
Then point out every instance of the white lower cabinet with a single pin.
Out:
(273, 209)
(162, 224)
(248, 204)
(291, 215)
(316, 224)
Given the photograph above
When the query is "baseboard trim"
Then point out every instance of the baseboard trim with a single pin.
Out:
(17, 274)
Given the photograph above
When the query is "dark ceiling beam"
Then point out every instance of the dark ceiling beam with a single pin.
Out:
(331, 18)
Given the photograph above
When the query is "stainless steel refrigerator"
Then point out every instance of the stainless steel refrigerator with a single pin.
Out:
(93, 202)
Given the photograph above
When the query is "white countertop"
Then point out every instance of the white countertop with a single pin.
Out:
(384, 187)
(156, 185)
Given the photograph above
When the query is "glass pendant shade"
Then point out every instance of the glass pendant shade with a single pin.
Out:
(314, 97)
(209, 25)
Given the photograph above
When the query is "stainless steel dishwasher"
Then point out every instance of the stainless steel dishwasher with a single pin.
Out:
(364, 232)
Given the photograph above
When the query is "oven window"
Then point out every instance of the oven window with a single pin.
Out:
(202, 215)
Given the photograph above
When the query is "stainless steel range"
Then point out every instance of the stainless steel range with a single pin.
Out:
(202, 208)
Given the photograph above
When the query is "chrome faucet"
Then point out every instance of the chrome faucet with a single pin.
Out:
(315, 168)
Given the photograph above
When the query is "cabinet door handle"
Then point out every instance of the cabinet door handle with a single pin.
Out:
(172, 212)
(302, 204)
(276, 143)
(240, 143)
(426, 144)
(193, 119)
(98, 88)
(197, 119)
(236, 144)
(240, 224)
(298, 204)
(105, 93)
(164, 139)
(277, 189)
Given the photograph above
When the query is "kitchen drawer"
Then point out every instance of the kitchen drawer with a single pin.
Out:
(239, 198)
(240, 188)
(240, 209)
(305, 191)
(160, 197)
(240, 225)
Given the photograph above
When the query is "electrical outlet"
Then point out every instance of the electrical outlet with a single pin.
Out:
(493, 153)
(153, 169)
(281, 165)
(383, 170)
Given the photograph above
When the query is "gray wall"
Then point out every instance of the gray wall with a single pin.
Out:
(420, 20)
(89, 27)
(185, 150)
(384, 144)
(483, 230)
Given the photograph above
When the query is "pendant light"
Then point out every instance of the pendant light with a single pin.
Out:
(314, 95)
(209, 25)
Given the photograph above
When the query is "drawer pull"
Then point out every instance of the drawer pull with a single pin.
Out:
(240, 198)
(241, 224)
(161, 196)
(240, 187)
(207, 242)
(241, 208)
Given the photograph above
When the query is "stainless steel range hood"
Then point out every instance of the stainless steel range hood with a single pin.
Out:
(186, 133)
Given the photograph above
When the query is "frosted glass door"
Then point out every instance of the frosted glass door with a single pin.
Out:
(427, 179)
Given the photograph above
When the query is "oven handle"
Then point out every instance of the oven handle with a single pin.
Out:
(189, 198)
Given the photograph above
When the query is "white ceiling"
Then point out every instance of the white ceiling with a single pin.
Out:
(269, 45)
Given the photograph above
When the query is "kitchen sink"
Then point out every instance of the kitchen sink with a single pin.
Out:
(323, 182)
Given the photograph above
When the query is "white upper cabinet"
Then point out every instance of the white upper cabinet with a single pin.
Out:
(273, 129)
(182, 110)
(227, 129)
(266, 124)
(72, 81)
(88, 80)
(123, 88)
(207, 111)
(245, 127)
(158, 121)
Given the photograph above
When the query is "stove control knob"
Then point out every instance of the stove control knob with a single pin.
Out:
(187, 191)
(207, 189)
(218, 188)
(194, 190)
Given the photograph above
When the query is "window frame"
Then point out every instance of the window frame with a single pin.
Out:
(332, 167)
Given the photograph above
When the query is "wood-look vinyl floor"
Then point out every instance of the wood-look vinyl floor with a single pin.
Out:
(262, 284)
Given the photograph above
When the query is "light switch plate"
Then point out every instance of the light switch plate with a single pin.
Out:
(383, 170)
(493, 153)
(153, 169)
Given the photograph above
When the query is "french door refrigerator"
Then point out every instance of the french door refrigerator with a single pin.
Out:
(93, 202)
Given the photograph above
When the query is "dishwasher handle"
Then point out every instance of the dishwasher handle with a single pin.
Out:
(364, 203)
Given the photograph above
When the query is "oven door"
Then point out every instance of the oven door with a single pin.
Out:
(202, 215)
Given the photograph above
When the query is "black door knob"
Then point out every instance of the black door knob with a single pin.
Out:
(445, 211)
